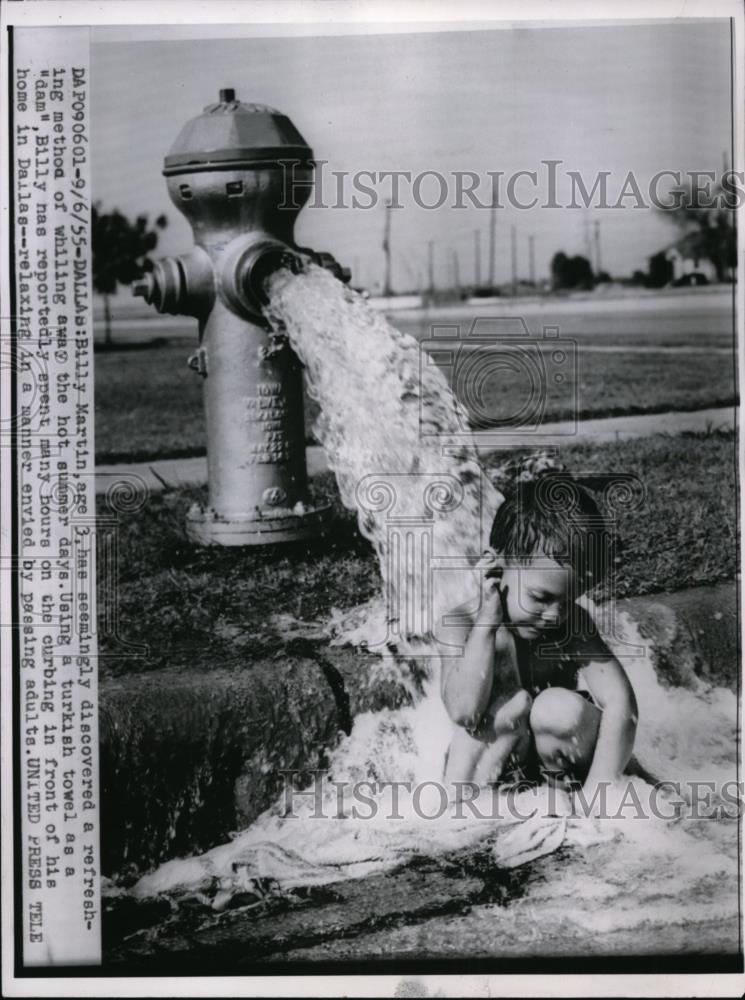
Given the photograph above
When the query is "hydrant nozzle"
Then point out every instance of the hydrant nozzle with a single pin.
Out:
(248, 266)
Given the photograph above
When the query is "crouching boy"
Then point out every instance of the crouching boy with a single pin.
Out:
(536, 692)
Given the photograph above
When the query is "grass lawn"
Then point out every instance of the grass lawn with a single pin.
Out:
(605, 385)
(202, 608)
(149, 403)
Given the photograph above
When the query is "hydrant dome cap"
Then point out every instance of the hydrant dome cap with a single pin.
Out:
(231, 134)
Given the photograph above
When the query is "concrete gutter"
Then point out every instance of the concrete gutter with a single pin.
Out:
(186, 760)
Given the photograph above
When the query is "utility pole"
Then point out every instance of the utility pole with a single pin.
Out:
(586, 230)
(431, 265)
(387, 291)
(477, 258)
(598, 262)
(531, 258)
(407, 267)
(493, 235)
(513, 240)
(456, 272)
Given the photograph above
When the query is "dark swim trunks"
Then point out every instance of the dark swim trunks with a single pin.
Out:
(587, 696)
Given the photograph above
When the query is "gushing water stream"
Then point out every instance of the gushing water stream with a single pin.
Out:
(398, 443)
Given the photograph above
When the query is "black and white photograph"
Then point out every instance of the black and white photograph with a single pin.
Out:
(371, 519)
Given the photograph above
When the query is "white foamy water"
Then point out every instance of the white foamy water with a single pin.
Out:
(397, 440)
(398, 443)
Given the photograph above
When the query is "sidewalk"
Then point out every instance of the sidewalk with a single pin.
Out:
(180, 471)
(183, 471)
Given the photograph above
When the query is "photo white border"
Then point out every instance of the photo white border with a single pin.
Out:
(316, 17)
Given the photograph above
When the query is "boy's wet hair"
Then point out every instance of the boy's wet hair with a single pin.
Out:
(550, 513)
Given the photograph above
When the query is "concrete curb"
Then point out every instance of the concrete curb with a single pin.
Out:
(185, 760)
(694, 634)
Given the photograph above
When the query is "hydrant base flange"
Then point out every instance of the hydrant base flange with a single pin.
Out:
(205, 526)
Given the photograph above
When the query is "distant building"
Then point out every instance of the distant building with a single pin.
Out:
(686, 258)
(678, 261)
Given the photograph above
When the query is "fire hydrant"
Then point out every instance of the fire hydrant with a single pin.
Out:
(240, 173)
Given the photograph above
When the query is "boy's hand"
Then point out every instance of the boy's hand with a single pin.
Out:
(603, 800)
(492, 611)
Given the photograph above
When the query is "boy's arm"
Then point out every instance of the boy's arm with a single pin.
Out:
(467, 680)
(612, 691)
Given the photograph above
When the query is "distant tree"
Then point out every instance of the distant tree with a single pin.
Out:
(660, 270)
(638, 278)
(571, 272)
(120, 252)
(705, 214)
(582, 271)
(560, 270)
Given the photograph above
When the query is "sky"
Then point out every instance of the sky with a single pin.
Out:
(641, 98)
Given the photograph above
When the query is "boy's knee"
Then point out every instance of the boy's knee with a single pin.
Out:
(556, 711)
(521, 703)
